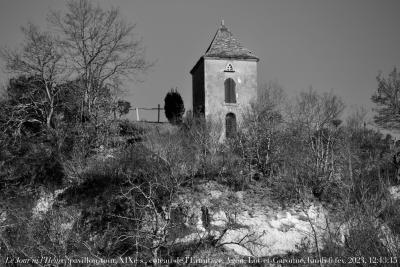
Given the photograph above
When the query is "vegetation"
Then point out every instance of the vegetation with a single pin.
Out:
(174, 107)
(108, 187)
(123, 107)
(387, 100)
(123, 196)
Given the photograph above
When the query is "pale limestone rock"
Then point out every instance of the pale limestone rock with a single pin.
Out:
(262, 230)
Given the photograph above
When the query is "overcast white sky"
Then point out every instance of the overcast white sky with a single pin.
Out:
(340, 45)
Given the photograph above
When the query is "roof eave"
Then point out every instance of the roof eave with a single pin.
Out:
(253, 58)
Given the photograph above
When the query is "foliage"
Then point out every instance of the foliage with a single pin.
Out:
(123, 107)
(121, 180)
(126, 193)
(22, 111)
(30, 149)
(313, 140)
(126, 201)
(100, 47)
(42, 61)
(259, 140)
(174, 107)
(57, 130)
(387, 99)
(131, 129)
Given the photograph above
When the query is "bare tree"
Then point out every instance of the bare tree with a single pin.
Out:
(100, 48)
(206, 136)
(314, 126)
(259, 139)
(314, 111)
(387, 99)
(40, 59)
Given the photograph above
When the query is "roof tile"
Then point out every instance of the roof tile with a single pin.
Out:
(224, 45)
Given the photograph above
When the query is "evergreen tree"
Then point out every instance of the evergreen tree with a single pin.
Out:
(174, 107)
(123, 107)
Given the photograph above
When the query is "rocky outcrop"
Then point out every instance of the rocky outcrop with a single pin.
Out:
(247, 224)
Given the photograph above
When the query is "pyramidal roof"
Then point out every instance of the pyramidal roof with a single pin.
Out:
(224, 45)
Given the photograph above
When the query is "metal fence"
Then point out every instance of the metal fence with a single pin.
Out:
(137, 112)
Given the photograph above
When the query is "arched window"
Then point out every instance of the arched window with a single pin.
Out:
(230, 91)
(230, 125)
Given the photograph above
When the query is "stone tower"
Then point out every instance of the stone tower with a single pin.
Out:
(224, 81)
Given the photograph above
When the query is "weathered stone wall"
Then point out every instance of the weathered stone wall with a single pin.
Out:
(198, 89)
(245, 77)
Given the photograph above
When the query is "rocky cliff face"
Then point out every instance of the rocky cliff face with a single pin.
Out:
(246, 222)
(242, 223)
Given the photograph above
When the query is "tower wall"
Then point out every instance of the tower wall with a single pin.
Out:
(245, 77)
(198, 93)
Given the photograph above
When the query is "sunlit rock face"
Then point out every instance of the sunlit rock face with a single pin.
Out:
(43, 204)
(246, 225)
(60, 220)
(394, 192)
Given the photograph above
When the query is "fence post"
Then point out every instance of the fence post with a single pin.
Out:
(158, 113)
(137, 114)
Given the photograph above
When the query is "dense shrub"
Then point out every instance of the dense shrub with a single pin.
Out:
(121, 178)
(174, 107)
(131, 129)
